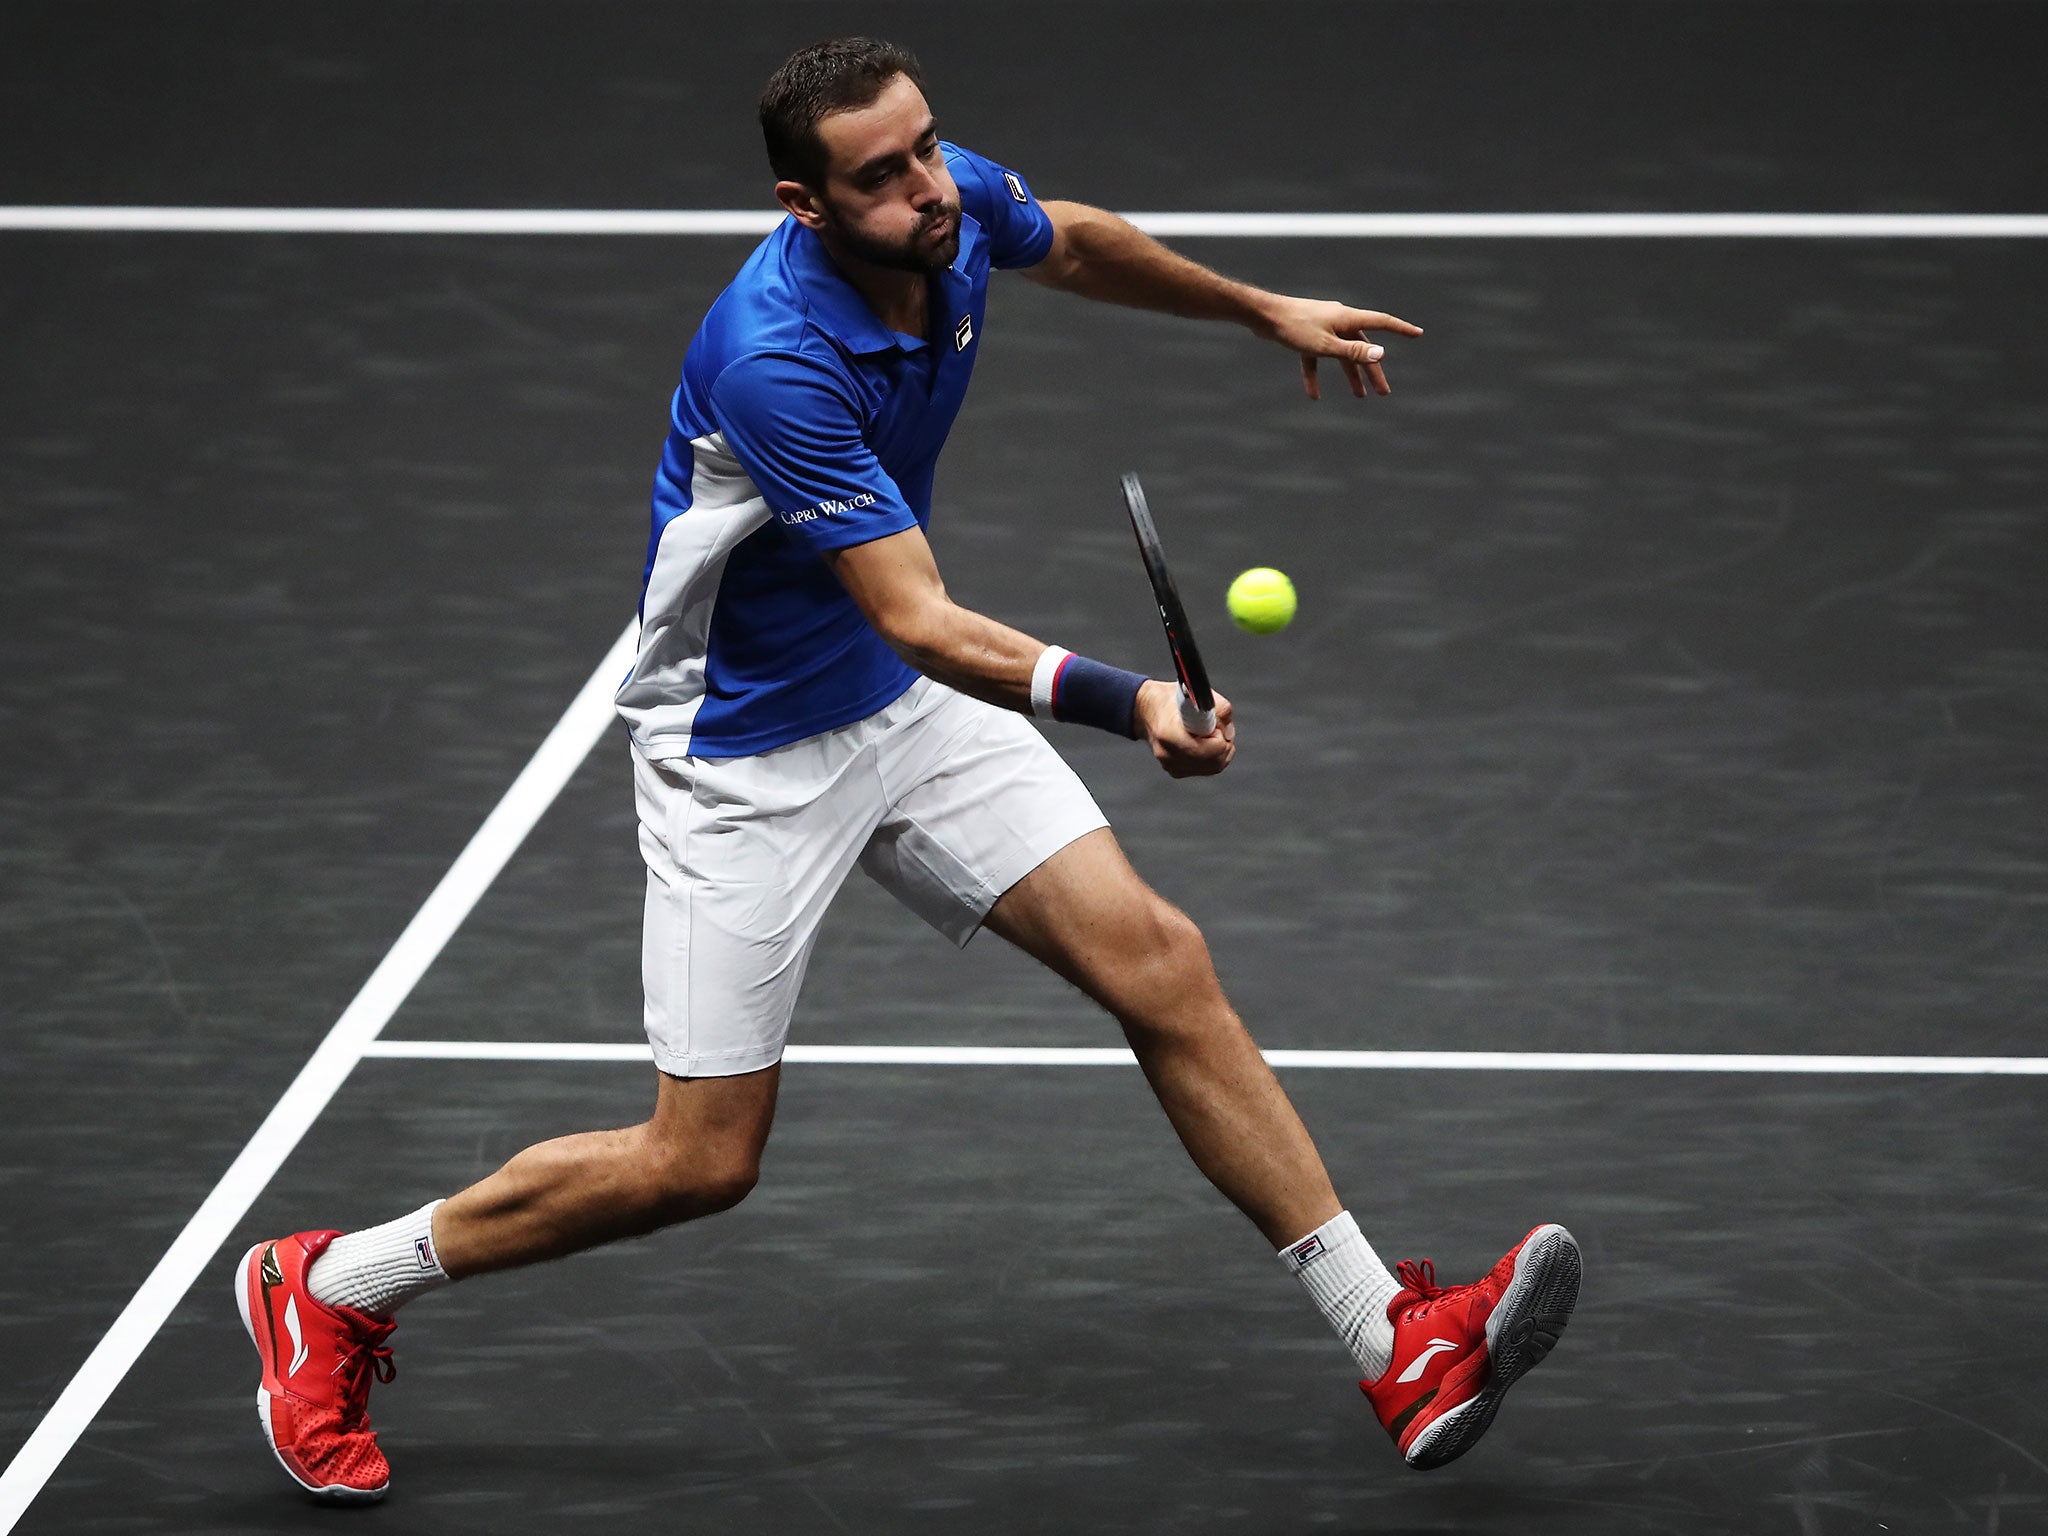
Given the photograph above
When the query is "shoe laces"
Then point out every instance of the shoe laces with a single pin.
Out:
(371, 1357)
(1421, 1279)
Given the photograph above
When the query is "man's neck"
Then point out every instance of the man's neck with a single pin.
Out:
(898, 298)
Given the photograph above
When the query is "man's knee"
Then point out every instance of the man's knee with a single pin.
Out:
(686, 1183)
(700, 1152)
(1169, 952)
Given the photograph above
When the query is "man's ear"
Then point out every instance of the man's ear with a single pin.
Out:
(801, 203)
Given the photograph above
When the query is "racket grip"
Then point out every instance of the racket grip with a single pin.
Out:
(1199, 721)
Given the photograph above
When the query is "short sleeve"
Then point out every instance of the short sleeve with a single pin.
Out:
(1019, 230)
(794, 428)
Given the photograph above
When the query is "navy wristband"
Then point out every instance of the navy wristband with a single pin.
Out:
(1082, 692)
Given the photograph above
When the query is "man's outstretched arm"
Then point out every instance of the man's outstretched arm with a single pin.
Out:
(1100, 256)
(896, 584)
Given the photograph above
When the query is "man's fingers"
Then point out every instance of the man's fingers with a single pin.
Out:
(1369, 355)
(1374, 320)
(1198, 756)
(1360, 360)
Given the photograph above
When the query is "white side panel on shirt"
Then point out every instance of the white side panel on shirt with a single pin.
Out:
(661, 698)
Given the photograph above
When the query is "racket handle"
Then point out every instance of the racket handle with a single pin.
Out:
(1199, 721)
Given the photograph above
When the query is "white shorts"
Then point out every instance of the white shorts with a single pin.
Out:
(945, 801)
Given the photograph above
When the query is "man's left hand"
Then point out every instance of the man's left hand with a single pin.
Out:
(1319, 328)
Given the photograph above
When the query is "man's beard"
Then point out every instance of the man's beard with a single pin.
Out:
(911, 254)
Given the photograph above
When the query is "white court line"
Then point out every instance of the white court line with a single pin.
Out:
(1316, 226)
(1382, 1061)
(542, 779)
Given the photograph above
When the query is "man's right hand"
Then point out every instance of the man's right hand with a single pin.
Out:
(1183, 755)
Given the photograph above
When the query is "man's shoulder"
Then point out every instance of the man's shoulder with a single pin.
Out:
(765, 307)
(959, 154)
(762, 326)
(999, 201)
(972, 173)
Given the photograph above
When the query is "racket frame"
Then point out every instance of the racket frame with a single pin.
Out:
(1197, 698)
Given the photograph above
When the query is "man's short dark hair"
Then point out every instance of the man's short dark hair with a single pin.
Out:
(842, 75)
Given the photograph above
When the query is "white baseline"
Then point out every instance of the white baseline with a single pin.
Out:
(1260, 226)
(1383, 1061)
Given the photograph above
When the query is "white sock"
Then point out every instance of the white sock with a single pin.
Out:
(379, 1269)
(1348, 1282)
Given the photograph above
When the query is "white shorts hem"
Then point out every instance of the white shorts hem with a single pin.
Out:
(998, 885)
(717, 1063)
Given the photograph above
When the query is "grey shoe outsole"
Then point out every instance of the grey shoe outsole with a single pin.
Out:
(1523, 1329)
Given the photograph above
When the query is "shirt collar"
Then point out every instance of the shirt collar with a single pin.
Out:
(840, 311)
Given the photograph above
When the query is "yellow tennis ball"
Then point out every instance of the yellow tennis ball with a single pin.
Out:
(1262, 600)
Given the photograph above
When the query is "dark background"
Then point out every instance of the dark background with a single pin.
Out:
(1671, 675)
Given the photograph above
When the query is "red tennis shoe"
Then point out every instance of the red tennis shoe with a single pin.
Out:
(317, 1363)
(1458, 1348)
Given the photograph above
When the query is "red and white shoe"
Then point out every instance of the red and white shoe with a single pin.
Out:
(317, 1364)
(1458, 1348)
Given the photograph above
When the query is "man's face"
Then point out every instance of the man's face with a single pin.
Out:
(888, 196)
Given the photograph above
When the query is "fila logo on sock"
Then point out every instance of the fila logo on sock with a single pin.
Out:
(423, 1250)
(963, 333)
(1310, 1247)
(1414, 1371)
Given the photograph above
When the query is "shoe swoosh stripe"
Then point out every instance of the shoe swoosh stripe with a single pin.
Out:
(1416, 1366)
(291, 1326)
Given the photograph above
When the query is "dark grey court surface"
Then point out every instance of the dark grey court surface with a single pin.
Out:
(1671, 676)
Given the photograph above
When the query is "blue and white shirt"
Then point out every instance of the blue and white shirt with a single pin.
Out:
(802, 425)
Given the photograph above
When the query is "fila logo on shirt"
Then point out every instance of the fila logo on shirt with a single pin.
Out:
(1016, 187)
(963, 333)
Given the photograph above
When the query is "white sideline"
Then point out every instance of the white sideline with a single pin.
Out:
(539, 782)
(1267, 226)
(1117, 1056)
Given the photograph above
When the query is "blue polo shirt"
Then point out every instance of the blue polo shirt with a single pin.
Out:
(802, 425)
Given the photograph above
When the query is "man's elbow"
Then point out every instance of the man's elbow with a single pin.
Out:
(918, 632)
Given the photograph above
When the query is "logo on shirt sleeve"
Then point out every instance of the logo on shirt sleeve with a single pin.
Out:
(1016, 187)
(828, 508)
(963, 333)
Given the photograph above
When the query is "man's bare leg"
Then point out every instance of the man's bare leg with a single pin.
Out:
(698, 1153)
(1087, 915)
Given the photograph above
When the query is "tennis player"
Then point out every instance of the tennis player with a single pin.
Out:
(806, 698)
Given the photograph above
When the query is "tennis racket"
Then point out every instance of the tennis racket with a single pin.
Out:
(1197, 700)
